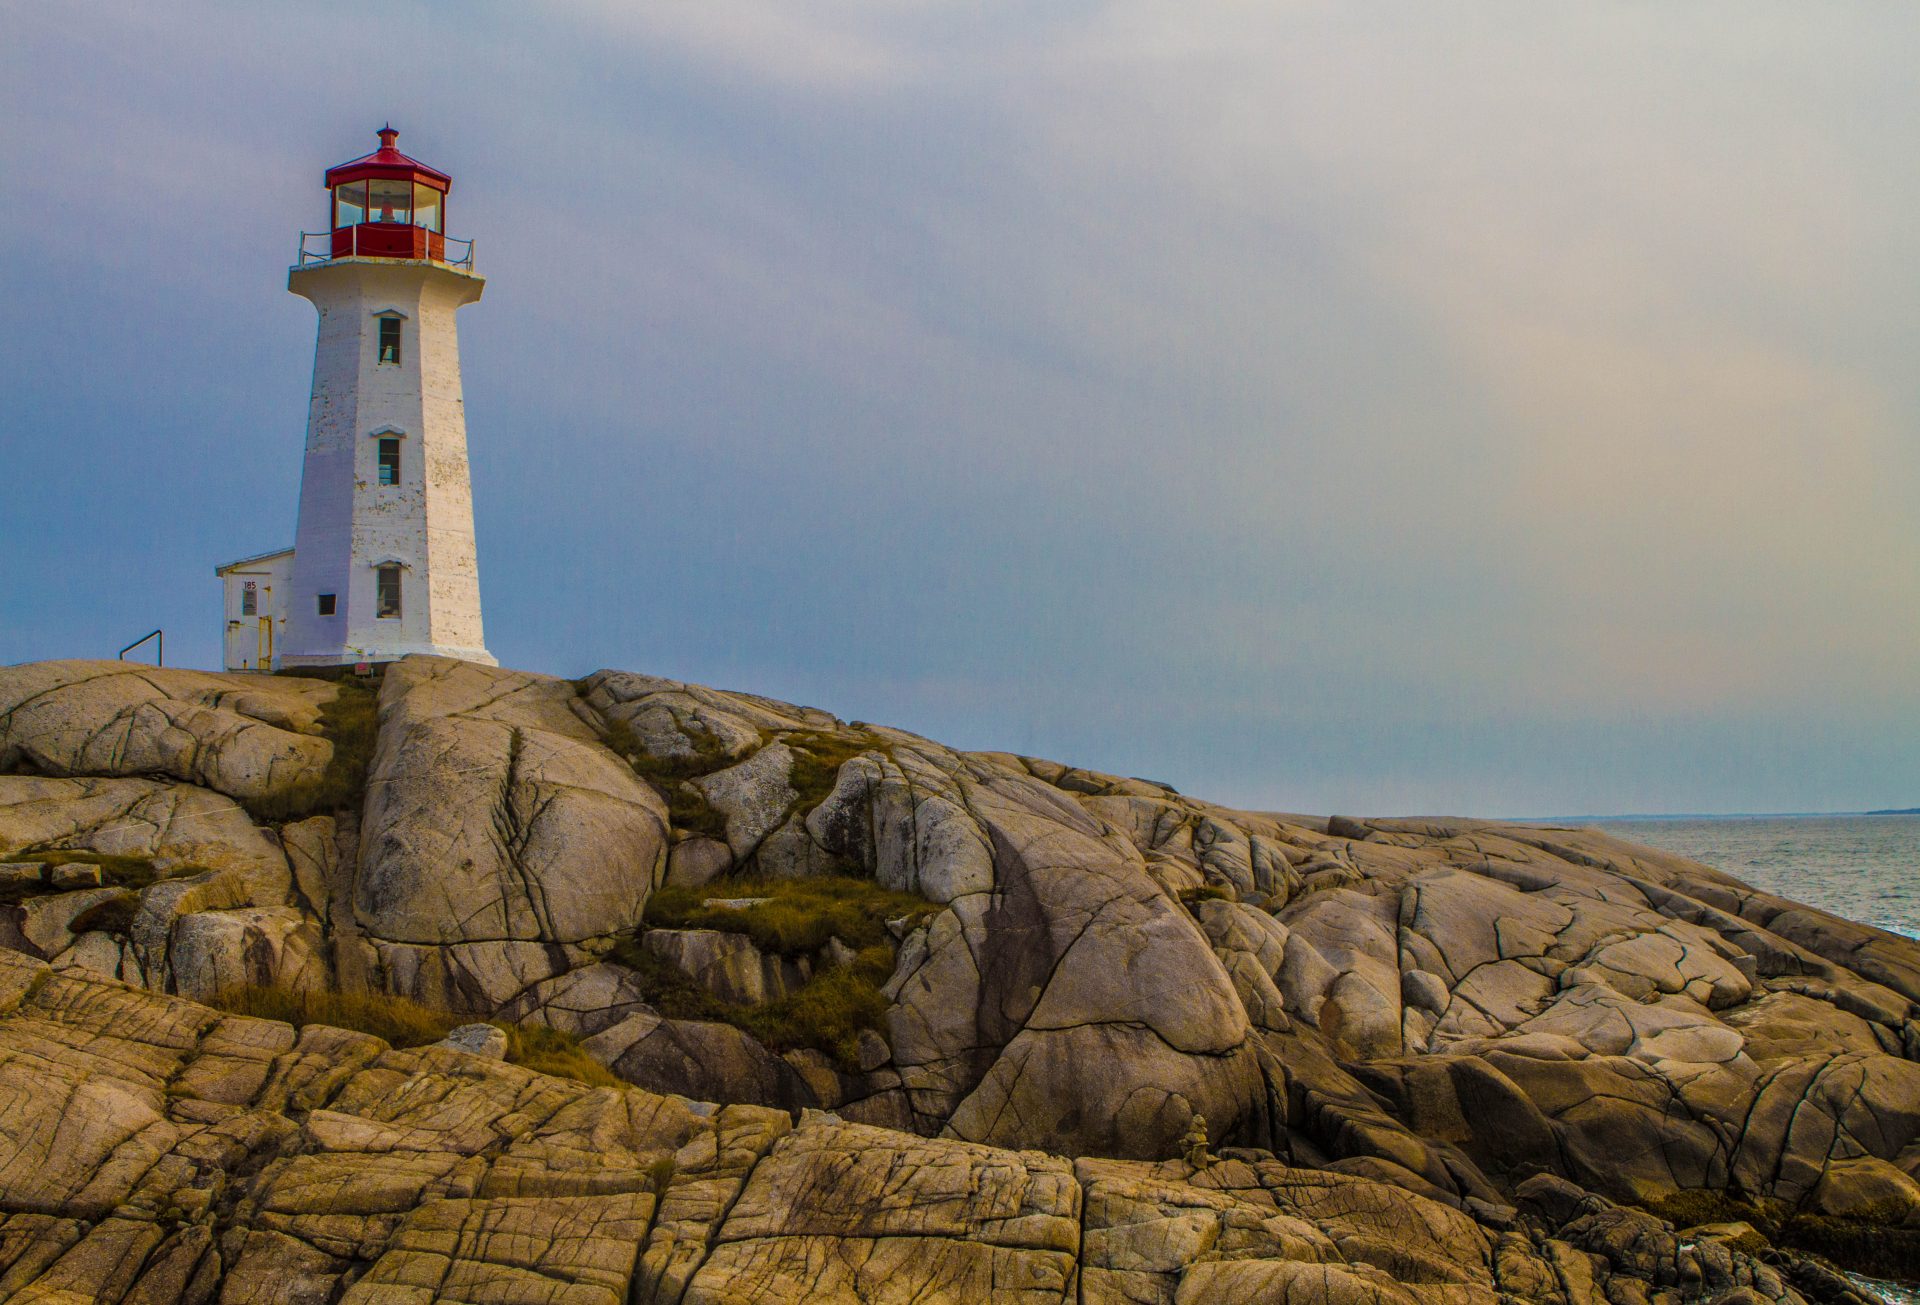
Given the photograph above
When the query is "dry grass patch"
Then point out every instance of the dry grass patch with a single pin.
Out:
(800, 915)
(403, 1023)
(351, 723)
(827, 1014)
(130, 872)
(817, 758)
(394, 1020)
(550, 1051)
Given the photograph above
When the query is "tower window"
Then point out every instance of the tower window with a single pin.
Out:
(387, 592)
(349, 204)
(389, 201)
(390, 340)
(249, 599)
(325, 604)
(389, 462)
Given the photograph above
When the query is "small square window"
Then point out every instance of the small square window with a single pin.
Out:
(389, 462)
(326, 604)
(389, 339)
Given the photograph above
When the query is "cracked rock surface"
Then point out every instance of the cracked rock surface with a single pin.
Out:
(244, 736)
(156, 1150)
(1400, 1034)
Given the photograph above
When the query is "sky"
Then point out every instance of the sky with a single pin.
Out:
(1492, 409)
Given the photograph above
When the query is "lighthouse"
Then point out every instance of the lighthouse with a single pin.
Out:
(384, 562)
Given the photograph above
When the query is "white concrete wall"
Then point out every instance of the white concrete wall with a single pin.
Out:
(349, 522)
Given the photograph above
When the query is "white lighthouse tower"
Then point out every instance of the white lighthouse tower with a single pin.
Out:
(383, 562)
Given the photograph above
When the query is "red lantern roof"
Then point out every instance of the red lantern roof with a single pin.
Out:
(389, 164)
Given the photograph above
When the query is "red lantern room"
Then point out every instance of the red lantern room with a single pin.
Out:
(386, 205)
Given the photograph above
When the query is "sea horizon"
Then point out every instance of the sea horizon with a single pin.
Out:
(1721, 815)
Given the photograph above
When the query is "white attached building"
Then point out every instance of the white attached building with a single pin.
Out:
(256, 589)
(384, 561)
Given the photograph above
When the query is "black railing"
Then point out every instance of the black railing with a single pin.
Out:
(450, 246)
(159, 638)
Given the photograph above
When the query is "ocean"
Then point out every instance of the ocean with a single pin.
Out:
(1866, 868)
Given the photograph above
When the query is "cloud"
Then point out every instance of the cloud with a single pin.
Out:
(1498, 410)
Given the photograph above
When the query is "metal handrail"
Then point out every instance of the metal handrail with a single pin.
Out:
(159, 650)
(305, 256)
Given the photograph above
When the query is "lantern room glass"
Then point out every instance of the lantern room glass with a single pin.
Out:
(426, 207)
(390, 201)
(349, 203)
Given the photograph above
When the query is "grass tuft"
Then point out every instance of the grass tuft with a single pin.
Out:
(688, 809)
(799, 918)
(817, 758)
(395, 1020)
(687, 806)
(827, 1014)
(550, 1051)
(803, 915)
(116, 871)
(1876, 1250)
(351, 722)
(404, 1023)
(666, 989)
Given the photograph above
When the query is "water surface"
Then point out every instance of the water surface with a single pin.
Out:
(1866, 868)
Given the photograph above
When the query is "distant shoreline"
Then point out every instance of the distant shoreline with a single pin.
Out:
(1734, 815)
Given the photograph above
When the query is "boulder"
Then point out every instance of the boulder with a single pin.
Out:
(265, 947)
(177, 828)
(253, 738)
(495, 816)
(1342, 971)
(727, 965)
(70, 875)
(23, 875)
(1252, 947)
(1869, 1190)
(696, 1058)
(46, 923)
(843, 1211)
(581, 1001)
(697, 862)
(488, 1041)
(754, 796)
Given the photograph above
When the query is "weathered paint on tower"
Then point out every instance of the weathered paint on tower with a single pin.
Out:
(384, 557)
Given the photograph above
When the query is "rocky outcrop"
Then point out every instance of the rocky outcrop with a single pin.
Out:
(499, 836)
(1092, 964)
(727, 964)
(158, 1151)
(247, 736)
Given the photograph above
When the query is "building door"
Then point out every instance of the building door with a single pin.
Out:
(249, 626)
